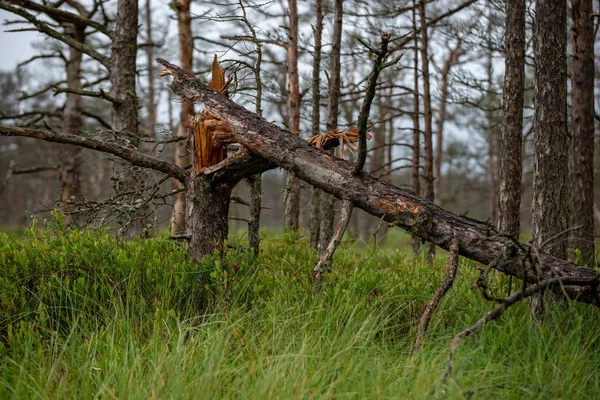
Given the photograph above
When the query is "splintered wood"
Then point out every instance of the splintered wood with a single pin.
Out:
(211, 136)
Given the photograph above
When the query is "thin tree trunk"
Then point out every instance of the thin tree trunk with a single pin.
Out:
(581, 154)
(151, 101)
(489, 116)
(550, 207)
(416, 142)
(439, 144)
(125, 110)
(328, 201)
(428, 117)
(511, 164)
(315, 200)
(186, 57)
(292, 204)
(70, 169)
(550, 200)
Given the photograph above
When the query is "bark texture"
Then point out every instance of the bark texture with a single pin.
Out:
(550, 198)
(511, 163)
(581, 151)
(292, 204)
(327, 201)
(427, 116)
(315, 200)
(416, 136)
(186, 59)
(207, 211)
(476, 241)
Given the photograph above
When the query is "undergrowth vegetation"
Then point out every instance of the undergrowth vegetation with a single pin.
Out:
(84, 315)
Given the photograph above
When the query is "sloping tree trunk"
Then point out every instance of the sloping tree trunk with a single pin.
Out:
(581, 151)
(292, 204)
(186, 48)
(550, 199)
(511, 164)
(70, 168)
(315, 201)
(428, 117)
(327, 201)
(475, 240)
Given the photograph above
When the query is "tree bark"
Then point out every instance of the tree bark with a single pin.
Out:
(550, 198)
(581, 151)
(490, 131)
(416, 142)
(428, 117)
(292, 204)
(327, 201)
(207, 211)
(439, 145)
(511, 164)
(315, 201)
(125, 108)
(186, 57)
(476, 241)
(151, 101)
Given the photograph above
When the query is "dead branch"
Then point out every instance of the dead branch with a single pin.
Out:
(126, 153)
(451, 269)
(324, 264)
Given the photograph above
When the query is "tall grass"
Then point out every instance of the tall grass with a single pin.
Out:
(84, 315)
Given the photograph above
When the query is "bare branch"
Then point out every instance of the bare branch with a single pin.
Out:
(126, 153)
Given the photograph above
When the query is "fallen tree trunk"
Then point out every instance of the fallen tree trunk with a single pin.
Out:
(477, 241)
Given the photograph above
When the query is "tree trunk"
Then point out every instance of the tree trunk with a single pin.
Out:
(328, 201)
(186, 48)
(70, 169)
(292, 204)
(581, 154)
(428, 117)
(125, 109)
(490, 131)
(416, 142)
(315, 200)
(550, 198)
(207, 210)
(151, 101)
(439, 148)
(511, 164)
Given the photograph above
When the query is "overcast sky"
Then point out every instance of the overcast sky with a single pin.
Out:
(16, 47)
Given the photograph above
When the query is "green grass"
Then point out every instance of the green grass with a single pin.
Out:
(83, 315)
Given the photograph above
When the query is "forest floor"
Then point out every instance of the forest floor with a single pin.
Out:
(83, 315)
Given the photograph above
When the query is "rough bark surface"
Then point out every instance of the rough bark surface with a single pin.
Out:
(550, 197)
(292, 204)
(416, 136)
(427, 116)
(207, 211)
(186, 59)
(511, 163)
(327, 201)
(476, 241)
(581, 151)
(314, 220)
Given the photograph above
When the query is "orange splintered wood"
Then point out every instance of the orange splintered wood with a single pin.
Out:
(209, 134)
